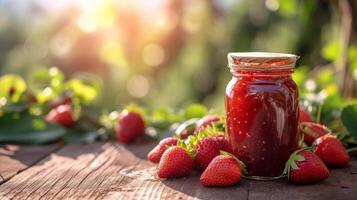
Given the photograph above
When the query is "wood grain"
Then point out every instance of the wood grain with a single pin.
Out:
(15, 158)
(113, 171)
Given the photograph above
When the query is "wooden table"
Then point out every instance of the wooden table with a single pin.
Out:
(113, 171)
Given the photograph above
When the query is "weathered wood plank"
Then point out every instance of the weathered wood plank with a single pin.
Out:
(113, 171)
(104, 171)
(15, 158)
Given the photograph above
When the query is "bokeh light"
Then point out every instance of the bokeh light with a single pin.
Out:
(143, 50)
(138, 86)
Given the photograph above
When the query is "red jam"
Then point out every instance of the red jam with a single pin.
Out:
(262, 114)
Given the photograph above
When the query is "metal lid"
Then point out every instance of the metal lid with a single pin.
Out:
(261, 60)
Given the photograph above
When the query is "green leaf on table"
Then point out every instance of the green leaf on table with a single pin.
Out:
(349, 119)
(163, 118)
(195, 111)
(80, 138)
(12, 87)
(28, 129)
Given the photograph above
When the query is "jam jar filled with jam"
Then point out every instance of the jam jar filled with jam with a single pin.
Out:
(262, 111)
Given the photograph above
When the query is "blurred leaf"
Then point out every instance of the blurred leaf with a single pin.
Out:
(288, 7)
(12, 87)
(87, 92)
(28, 129)
(195, 111)
(163, 117)
(349, 119)
(45, 95)
(325, 77)
(300, 75)
(79, 138)
(47, 78)
(331, 51)
(162, 113)
(15, 107)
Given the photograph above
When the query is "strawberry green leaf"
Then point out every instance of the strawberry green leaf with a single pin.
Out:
(349, 119)
(243, 167)
(28, 129)
(294, 166)
(181, 143)
(299, 158)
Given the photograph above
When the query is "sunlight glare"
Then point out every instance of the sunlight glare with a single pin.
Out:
(138, 86)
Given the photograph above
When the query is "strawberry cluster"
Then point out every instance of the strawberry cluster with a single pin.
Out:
(206, 149)
(322, 150)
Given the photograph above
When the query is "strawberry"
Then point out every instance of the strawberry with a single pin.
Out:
(205, 122)
(224, 170)
(304, 116)
(131, 125)
(206, 149)
(305, 167)
(156, 153)
(331, 151)
(175, 162)
(223, 143)
(312, 131)
(61, 115)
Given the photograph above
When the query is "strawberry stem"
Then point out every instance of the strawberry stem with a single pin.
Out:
(319, 110)
(351, 150)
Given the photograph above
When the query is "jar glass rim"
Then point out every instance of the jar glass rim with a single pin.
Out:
(261, 60)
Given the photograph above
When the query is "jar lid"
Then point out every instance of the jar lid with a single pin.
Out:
(261, 60)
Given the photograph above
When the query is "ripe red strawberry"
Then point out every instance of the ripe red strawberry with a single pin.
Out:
(305, 167)
(223, 143)
(175, 162)
(331, 151)
(224, 170)
(205, 122)
(61, 115)
(156, 153)
(130, 126)
(304, 116)
(206, 149)
(312, 131)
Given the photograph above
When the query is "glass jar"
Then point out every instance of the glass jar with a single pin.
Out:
(262, 111)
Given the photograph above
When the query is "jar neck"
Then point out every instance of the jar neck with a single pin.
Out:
(276, 73)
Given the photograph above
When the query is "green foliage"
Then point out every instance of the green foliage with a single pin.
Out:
(87, 92)
(12, 87)
(349, 119)
(195, 111)
(25, 128)
(80, 137)
(331, 50)
(288, 8)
